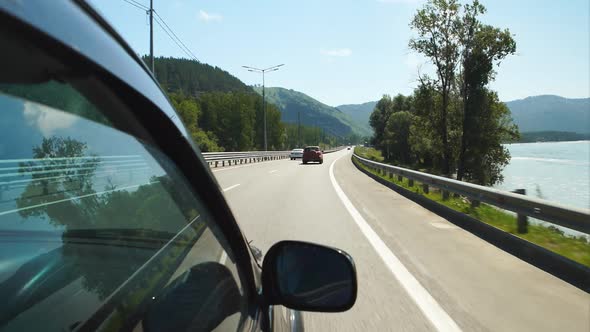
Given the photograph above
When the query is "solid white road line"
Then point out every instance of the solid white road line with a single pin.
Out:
(427, 304)
(231, 167)
(231, 187)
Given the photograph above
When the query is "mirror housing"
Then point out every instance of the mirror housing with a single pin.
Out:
(309, 277)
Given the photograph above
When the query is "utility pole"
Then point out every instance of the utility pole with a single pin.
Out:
(152, 35)
(264, 112)
(263, 71)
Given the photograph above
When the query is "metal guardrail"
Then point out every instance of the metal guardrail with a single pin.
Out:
(570, 217)
(215, 159)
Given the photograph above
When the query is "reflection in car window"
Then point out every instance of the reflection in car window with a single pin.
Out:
(96, 224)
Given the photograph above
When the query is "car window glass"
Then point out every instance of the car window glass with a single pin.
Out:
(100, 225)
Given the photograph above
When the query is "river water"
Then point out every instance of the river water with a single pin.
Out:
(556, 171)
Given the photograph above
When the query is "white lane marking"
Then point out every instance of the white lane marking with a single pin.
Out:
(427, 304)
(231, 187)
(223, 258)
(229, 168)
(273, 171)
(442, 225)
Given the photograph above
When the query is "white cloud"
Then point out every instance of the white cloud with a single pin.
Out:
(46, 119)
(209, 17)
(341, 52)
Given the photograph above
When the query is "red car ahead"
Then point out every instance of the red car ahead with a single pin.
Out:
(313, 153)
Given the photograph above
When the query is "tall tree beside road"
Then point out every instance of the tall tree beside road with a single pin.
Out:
(438, 39)
(482, 46)
(378, 119)
(453, 121)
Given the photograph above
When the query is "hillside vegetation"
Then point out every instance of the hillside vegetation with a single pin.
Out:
(312, 112)
(192, 77)
(224, 114)
(359, 113)
(551, 113)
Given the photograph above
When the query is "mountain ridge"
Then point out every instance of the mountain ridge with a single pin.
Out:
(312, 112)
(551, 113)
(540, 113)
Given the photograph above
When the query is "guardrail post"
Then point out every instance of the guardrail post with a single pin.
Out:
(425, 188)
(474, 203)
(400, 178)
(522, 221)
(223, 163)
(390, 174)
(411, 182)
(445, 195)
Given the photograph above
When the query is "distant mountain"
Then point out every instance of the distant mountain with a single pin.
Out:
(552, 136)
(192, 77)
(359, 113)
(551, 113)
(312, 112)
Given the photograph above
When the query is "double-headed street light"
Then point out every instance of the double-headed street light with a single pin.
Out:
(263, 71)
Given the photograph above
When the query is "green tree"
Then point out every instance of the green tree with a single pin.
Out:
(397, 136)
(190, 112)
(378, 119)
(438, 39)
(485, 156)
(482, 47)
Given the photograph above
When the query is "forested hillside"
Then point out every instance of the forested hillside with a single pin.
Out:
(551, 113)
(312, 112)
(224, 114)
(192, 78)
(359, 113)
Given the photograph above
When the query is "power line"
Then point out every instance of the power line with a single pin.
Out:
(167, 29)
(174, 37)
(177, 38)
(186, 51)
(136, 4)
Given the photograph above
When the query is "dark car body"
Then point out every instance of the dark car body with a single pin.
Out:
(312, 154)
(117, 276)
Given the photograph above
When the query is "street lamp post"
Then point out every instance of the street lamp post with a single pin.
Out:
(263, 71)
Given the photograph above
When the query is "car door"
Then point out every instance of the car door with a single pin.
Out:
(109, 218)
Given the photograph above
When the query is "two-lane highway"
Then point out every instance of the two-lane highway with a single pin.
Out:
(416, 271)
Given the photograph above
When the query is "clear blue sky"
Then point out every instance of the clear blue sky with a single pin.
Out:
(354, 51)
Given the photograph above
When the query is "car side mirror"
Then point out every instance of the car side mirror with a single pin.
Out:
(309, 277)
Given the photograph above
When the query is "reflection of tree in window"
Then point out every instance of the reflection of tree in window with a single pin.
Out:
(109, 232)
(62, 189)
(62, 174)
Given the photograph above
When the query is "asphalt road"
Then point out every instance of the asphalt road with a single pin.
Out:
(416, 271)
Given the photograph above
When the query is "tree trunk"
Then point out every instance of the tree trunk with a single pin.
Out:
(461, 166)
(445, 138)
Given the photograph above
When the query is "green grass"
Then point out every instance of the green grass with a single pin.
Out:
(574, 248)
(369, 153)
